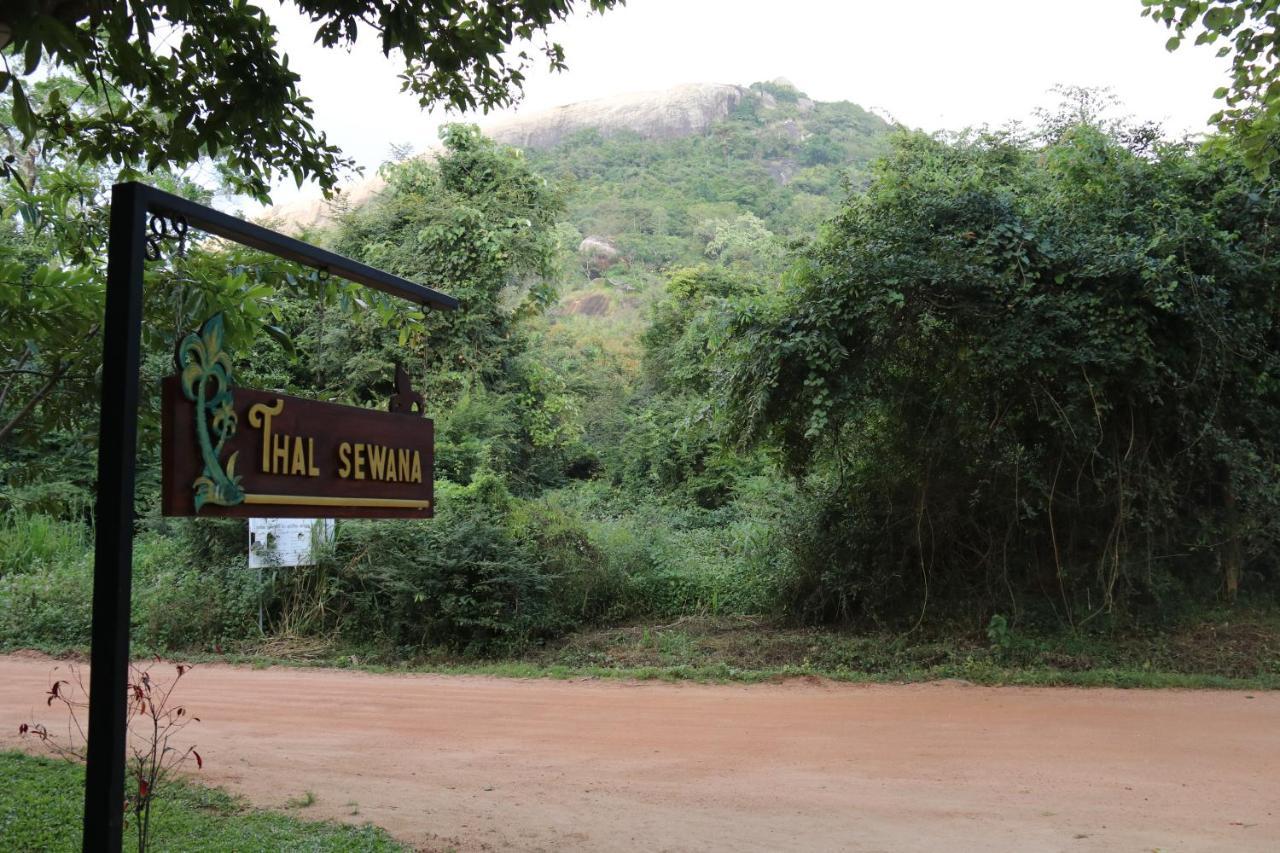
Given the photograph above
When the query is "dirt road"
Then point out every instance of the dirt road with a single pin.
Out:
(477, 763)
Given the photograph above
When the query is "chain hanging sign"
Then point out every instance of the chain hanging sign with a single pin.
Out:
(231, 451)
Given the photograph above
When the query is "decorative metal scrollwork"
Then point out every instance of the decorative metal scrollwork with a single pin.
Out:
(205, 372)
(405, 398)
(162, 229)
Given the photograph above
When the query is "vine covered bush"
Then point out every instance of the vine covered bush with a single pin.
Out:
(1025, 371)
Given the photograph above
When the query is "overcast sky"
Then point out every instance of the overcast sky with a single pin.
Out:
(931, 64)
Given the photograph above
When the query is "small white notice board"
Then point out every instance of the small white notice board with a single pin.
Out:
(287, 541)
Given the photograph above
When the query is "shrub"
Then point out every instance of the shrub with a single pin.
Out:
(179, 600)
(31, 541)
(462, 580)
(584, 586)
(179, 603)
(50, 607)
(1025, 369)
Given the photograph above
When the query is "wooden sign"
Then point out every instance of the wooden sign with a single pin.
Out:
(240, 452)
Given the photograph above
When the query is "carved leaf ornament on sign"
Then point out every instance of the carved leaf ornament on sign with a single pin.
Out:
(231, 451)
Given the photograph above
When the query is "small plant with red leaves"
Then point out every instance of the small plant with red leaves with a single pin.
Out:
(156, 723)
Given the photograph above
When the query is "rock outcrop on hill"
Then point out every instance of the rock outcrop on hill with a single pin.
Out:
(309, 212)
(597, 255)
(668, 114)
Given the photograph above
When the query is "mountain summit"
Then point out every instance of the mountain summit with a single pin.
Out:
(666, 114)
(759, 147)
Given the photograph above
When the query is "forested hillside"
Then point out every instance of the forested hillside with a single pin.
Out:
(779, 163)
(802, 369)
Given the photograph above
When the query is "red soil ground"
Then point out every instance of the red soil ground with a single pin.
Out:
(478, 763)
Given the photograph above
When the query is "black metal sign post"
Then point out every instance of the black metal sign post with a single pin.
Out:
(129, 242)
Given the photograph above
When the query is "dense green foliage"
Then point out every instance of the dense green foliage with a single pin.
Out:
(1247, 31)
(997, 381)
(181, 597)
(1027, 371)
(479, 221)
(776, 167)
(53, 233)
(42, 800)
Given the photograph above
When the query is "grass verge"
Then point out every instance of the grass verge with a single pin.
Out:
(41, 801)
(1228, 650)
(1233, 649)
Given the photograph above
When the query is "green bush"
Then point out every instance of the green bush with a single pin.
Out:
(463, 580)
(180, 600)
(30, 542)
(60, 499)
(491, 572)
(673, 560)
(181, 604)
(50, 607)
(1023, 369)
(584, 586)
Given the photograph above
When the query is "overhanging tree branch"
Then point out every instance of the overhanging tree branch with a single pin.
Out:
(33, 402)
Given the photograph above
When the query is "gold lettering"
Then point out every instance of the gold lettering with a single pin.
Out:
(299, 458)
(417, 467)
(344, 460)
(391, 465)
(377, 462)
(359, 461)
(279, 454)
(312, 470)
(404, 465)
(260, 415)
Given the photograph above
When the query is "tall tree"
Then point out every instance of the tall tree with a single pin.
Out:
(1247, 32)
(478, 220)
(53, 233)
(182, 80)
